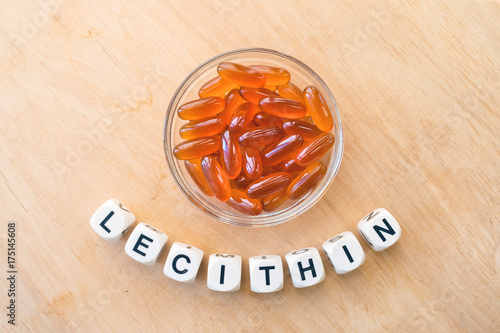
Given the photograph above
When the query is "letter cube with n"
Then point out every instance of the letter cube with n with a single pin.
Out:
(266, 273)
(183, 262)
(224, 272)
(145, 244)
(344, 252)
(112, 220)
(379, 229)
(306, 267)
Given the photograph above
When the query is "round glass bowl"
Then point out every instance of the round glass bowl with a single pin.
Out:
(302, 76)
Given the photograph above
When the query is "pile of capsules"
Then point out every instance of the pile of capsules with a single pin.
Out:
(254, 139)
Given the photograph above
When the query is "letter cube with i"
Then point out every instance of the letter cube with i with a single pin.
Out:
(344, 252)
(306, 267)
(145, 244)
(224, 272)
(112, 220)
(183, 262)
(379, 229)
(266, 273)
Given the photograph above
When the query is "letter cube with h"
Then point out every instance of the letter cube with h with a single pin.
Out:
(306, 267)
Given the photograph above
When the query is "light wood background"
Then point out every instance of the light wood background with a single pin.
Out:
(84, 86)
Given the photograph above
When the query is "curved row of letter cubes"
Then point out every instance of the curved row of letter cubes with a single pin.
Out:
(379, 228)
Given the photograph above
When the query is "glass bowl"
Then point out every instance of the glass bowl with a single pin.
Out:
(302, 76)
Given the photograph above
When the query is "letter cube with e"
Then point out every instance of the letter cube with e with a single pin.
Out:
(344, 252)
(379, 229)
(306, 267)
(183, 262)
(224, 272)
(145, 244)
(112, 220)
(266, 273)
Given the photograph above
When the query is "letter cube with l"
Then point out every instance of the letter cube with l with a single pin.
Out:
(145, 244)
(306, 267)
(379, 229)
(344, 252)
(112, 220)
(183, 262)
(224, 272)
(266, 273)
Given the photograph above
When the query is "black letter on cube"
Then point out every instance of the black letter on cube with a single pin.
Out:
(140, 243)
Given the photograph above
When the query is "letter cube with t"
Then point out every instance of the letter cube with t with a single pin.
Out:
(306, 267)
(183, 262)
(379, 229)
(224, 272)
(344, 252)
(145, 244)
(266, 273)
(112, 220)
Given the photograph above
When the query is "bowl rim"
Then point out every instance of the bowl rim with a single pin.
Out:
(272, 218)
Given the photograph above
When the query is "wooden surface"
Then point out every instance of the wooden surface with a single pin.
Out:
(83, 91)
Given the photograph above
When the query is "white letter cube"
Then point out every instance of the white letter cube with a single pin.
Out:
(145, 244)
(183, 262)
(379, 229)
(344, 252)
(266, 273)
(112, 220)
(306, 267)
(224, 272)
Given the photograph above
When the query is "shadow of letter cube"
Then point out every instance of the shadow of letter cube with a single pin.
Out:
(224, 272)
(379, 229)
(266, 273)
(183, 262)
(145, 244)
(112, 220)
(344, 252)
(306, 267)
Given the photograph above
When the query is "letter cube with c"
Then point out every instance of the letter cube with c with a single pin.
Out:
(306, 267)
(112, 220)
(379, 229)
(224, 272)
(145, 244)
(266, 273)
(183, 262)
(344, 252)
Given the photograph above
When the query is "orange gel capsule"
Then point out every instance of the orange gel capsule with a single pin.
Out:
(273, 201)
(216, 178)
(312, 151)
(318, 108)
(291, 166)
(269, 87)
(193, 167)
(283, 107)
(233, 101)
(242, 117)
(231, 154)
(266, 119)
(260, 136)
(242, 181)
(306, 181)
(241, 202)
(281, 150)
(216, 87)
(290, 91)
(201, 108)
(203, 127)
(196, 148)
(252, 164)
(268, 185)
(302, 128)
(254, 95)
(241, 75)
(274, 75)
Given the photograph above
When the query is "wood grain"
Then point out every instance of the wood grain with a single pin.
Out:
(83, 91)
